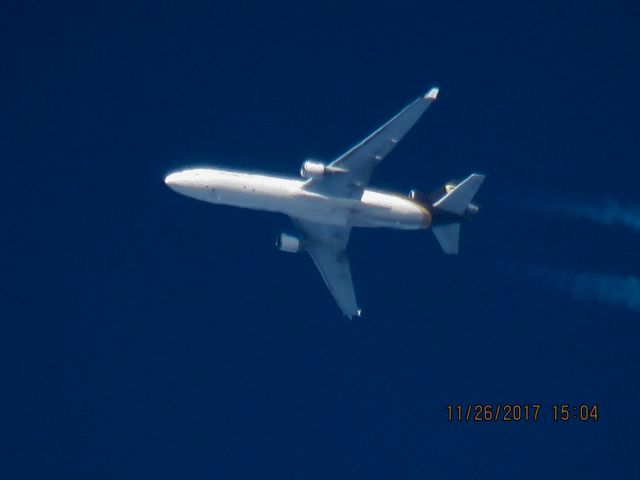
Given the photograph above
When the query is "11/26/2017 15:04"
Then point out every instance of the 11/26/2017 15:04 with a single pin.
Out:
(533, 412)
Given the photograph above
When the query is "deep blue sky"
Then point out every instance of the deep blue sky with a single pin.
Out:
(146, 335)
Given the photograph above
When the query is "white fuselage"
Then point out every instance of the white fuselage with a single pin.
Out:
(286, 195)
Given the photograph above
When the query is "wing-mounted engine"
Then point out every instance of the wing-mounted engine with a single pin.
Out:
(315, 169)
(312, 169)
(288, 243)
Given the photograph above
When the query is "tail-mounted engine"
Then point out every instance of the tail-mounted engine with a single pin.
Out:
(448, 207)
(428, 200)
(288, 243)
(471, 209)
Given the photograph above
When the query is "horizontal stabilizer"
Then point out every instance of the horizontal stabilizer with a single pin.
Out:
(457, 200)
(448, 237)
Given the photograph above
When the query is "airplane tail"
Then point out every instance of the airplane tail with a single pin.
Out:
(449, 206)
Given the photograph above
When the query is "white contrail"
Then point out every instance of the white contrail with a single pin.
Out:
(616, 290)
(610, 214)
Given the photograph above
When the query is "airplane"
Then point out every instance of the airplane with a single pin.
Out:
(328, 200)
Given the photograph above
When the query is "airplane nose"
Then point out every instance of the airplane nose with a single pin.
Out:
(180, 182)
(177, 181)
(171, 180)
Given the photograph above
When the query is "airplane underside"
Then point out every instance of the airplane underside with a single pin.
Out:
(375, 209)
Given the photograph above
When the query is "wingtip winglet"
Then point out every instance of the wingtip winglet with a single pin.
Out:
(432, 94)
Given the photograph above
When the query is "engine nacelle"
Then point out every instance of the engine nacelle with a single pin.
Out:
(472, 209)
(312, 169)
(288, 243)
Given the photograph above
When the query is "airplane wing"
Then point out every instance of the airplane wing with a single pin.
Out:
(327, 246)
(354, 168)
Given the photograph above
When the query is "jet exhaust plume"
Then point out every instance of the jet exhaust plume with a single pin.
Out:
(609, 214)
(615, 290)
